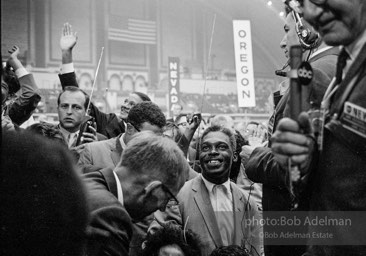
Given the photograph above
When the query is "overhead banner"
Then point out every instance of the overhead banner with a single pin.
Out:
(173, 76)
(244, 63)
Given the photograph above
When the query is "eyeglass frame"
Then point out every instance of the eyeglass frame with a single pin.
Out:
(134, 126)
(316, 2)
(184, 124)
(172, 196)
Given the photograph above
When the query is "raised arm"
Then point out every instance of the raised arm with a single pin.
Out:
(107, 124)
(67, 42)
(24, 105)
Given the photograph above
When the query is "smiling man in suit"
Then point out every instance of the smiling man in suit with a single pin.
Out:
(211, 205)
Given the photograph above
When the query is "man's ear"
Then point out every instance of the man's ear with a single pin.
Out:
(130, 129)
(235, 157)
(152, 186)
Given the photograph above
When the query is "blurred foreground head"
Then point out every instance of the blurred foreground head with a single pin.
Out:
(43, 208)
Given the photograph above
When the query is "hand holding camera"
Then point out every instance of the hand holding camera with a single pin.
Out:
(88, 132)
(194, 120)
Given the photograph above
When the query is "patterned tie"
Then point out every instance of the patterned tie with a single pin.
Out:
(71, 139)
(342, 59)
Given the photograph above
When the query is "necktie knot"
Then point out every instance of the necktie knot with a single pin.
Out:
(342, 60)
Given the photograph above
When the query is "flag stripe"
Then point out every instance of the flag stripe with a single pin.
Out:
(139, 31)
(125, 35)
(129, 32)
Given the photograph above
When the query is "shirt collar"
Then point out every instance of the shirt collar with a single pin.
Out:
(65, 132)
(119, 189)
(317, 52)
(355, 47)
(121, 140)
(209, 185)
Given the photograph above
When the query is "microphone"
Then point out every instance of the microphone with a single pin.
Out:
(293, 5)
(282, 72)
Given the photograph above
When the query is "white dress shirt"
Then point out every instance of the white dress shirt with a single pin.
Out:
(222, 203)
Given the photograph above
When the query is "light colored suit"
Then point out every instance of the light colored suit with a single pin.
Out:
(101, 154)
(195, 212)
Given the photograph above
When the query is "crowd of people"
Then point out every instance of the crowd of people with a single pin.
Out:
(141, 184)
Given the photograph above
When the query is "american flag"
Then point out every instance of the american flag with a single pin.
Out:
(137, 31)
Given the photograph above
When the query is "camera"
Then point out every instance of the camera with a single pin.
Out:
(85, 127)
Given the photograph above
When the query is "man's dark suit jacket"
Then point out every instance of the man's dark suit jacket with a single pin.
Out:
(107, 124)
(338, 181)
(110, 227)
(263, 168)
(22, 108)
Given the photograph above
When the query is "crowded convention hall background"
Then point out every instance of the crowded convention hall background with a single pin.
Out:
(183, 127)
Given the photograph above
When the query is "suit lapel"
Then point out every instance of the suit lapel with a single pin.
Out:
(110, 180)
(203, 202)
(116, 151)
(344, 88)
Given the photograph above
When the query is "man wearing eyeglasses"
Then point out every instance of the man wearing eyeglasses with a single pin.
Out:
(211, 205)
(337, 177)
(151, 172)
(181, 122)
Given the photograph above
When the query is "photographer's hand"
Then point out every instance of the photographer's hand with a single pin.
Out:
(195, 121)
(89, 136)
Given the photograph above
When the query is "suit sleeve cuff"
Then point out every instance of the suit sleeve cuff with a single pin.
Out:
(67, 68)
(20, 72)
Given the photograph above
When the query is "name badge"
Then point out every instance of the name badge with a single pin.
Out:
(354, 118)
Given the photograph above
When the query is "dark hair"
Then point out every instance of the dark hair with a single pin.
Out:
(230, 250)
(37, 216)
(187, 240)
(224, 130)
(179, 117)
(74, 89)
(142, 96)
(11, 79)
(235, 166)
(253, 122)
(47, 130)
(146, 111)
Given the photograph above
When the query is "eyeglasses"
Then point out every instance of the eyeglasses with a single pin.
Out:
(184, 124)
(173, 200)
(134, 126)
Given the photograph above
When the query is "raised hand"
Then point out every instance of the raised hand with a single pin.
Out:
(257, 137)
(14, 51)
(68, 38)
(195, 120)
(13, 60)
